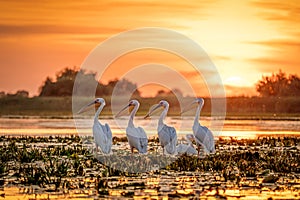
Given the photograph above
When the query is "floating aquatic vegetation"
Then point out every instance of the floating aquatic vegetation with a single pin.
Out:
(55, 164)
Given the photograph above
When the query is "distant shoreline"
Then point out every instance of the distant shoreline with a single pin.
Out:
(237, 108)
(228, 117)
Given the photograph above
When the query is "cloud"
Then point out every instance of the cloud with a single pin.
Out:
(279, 10)
(79, 20)
(219, 57)
(94, 13)
(274, 62)
(278, 43)
(53, 29)
(284, 15)
(198, 74)
(282, 54)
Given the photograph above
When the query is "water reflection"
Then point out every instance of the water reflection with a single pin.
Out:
(232, 128)
(210, 181)
(189, 185)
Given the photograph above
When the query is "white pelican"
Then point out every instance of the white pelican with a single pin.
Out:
(102, 133)
(187, 148)
(136, 136)
(203, 136)
(166, 134)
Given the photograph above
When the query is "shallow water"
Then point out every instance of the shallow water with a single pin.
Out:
(165, 184)
(183, 185)
(155, 184)
(231, 128)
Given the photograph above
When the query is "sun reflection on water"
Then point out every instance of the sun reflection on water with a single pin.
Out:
(166, 184)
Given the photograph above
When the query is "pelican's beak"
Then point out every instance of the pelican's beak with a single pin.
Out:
(117, 115)
(147, 116)
(188, 107)
(85, 108)
(152, 110)
(189, 137)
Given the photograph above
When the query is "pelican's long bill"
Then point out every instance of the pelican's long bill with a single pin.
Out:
(190, 138)
(152, 110)
(118, 114)
(86, 107)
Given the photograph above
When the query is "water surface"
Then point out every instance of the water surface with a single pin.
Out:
(231, 128)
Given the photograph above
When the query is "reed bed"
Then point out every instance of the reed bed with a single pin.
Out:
(59, 164)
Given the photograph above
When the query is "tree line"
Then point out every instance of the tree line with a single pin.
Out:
(279, 85)
(64, 82)
(276, 85)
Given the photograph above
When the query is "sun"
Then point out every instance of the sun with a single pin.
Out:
(235, 81)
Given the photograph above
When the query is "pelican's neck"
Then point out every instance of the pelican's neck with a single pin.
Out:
(132, 114)
(98, 112)
(190, 142)
(163, 116)
(197, 116)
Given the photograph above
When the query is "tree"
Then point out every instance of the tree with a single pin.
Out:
(279, 85)
(161, 93)
(63, 85)
(123, 87)
(294, 83)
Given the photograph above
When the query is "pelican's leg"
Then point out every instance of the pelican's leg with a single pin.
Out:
(198, 149)
(131, 150)
(131, 155)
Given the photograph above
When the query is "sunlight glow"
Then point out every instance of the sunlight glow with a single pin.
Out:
(248, 37)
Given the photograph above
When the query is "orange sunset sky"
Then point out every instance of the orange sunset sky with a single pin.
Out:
(245, 39)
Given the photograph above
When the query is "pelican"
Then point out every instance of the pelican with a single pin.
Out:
(166, 134)
(102, 133)
(203, 136)
(136, 136)
(187, 148)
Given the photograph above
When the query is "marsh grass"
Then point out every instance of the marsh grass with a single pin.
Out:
(56, 163)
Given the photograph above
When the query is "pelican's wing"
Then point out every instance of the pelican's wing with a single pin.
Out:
(191, 151)
(168, 138)
(107, 131)
(200, 133)
(204, 137)
(132, 136)
(141, 132)
(108, 139)
(103, 137)
(98, 134)
(181, 148)
(137, 138)
(209, 142)
(143, 140)
(166, 134)
(185, 148)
